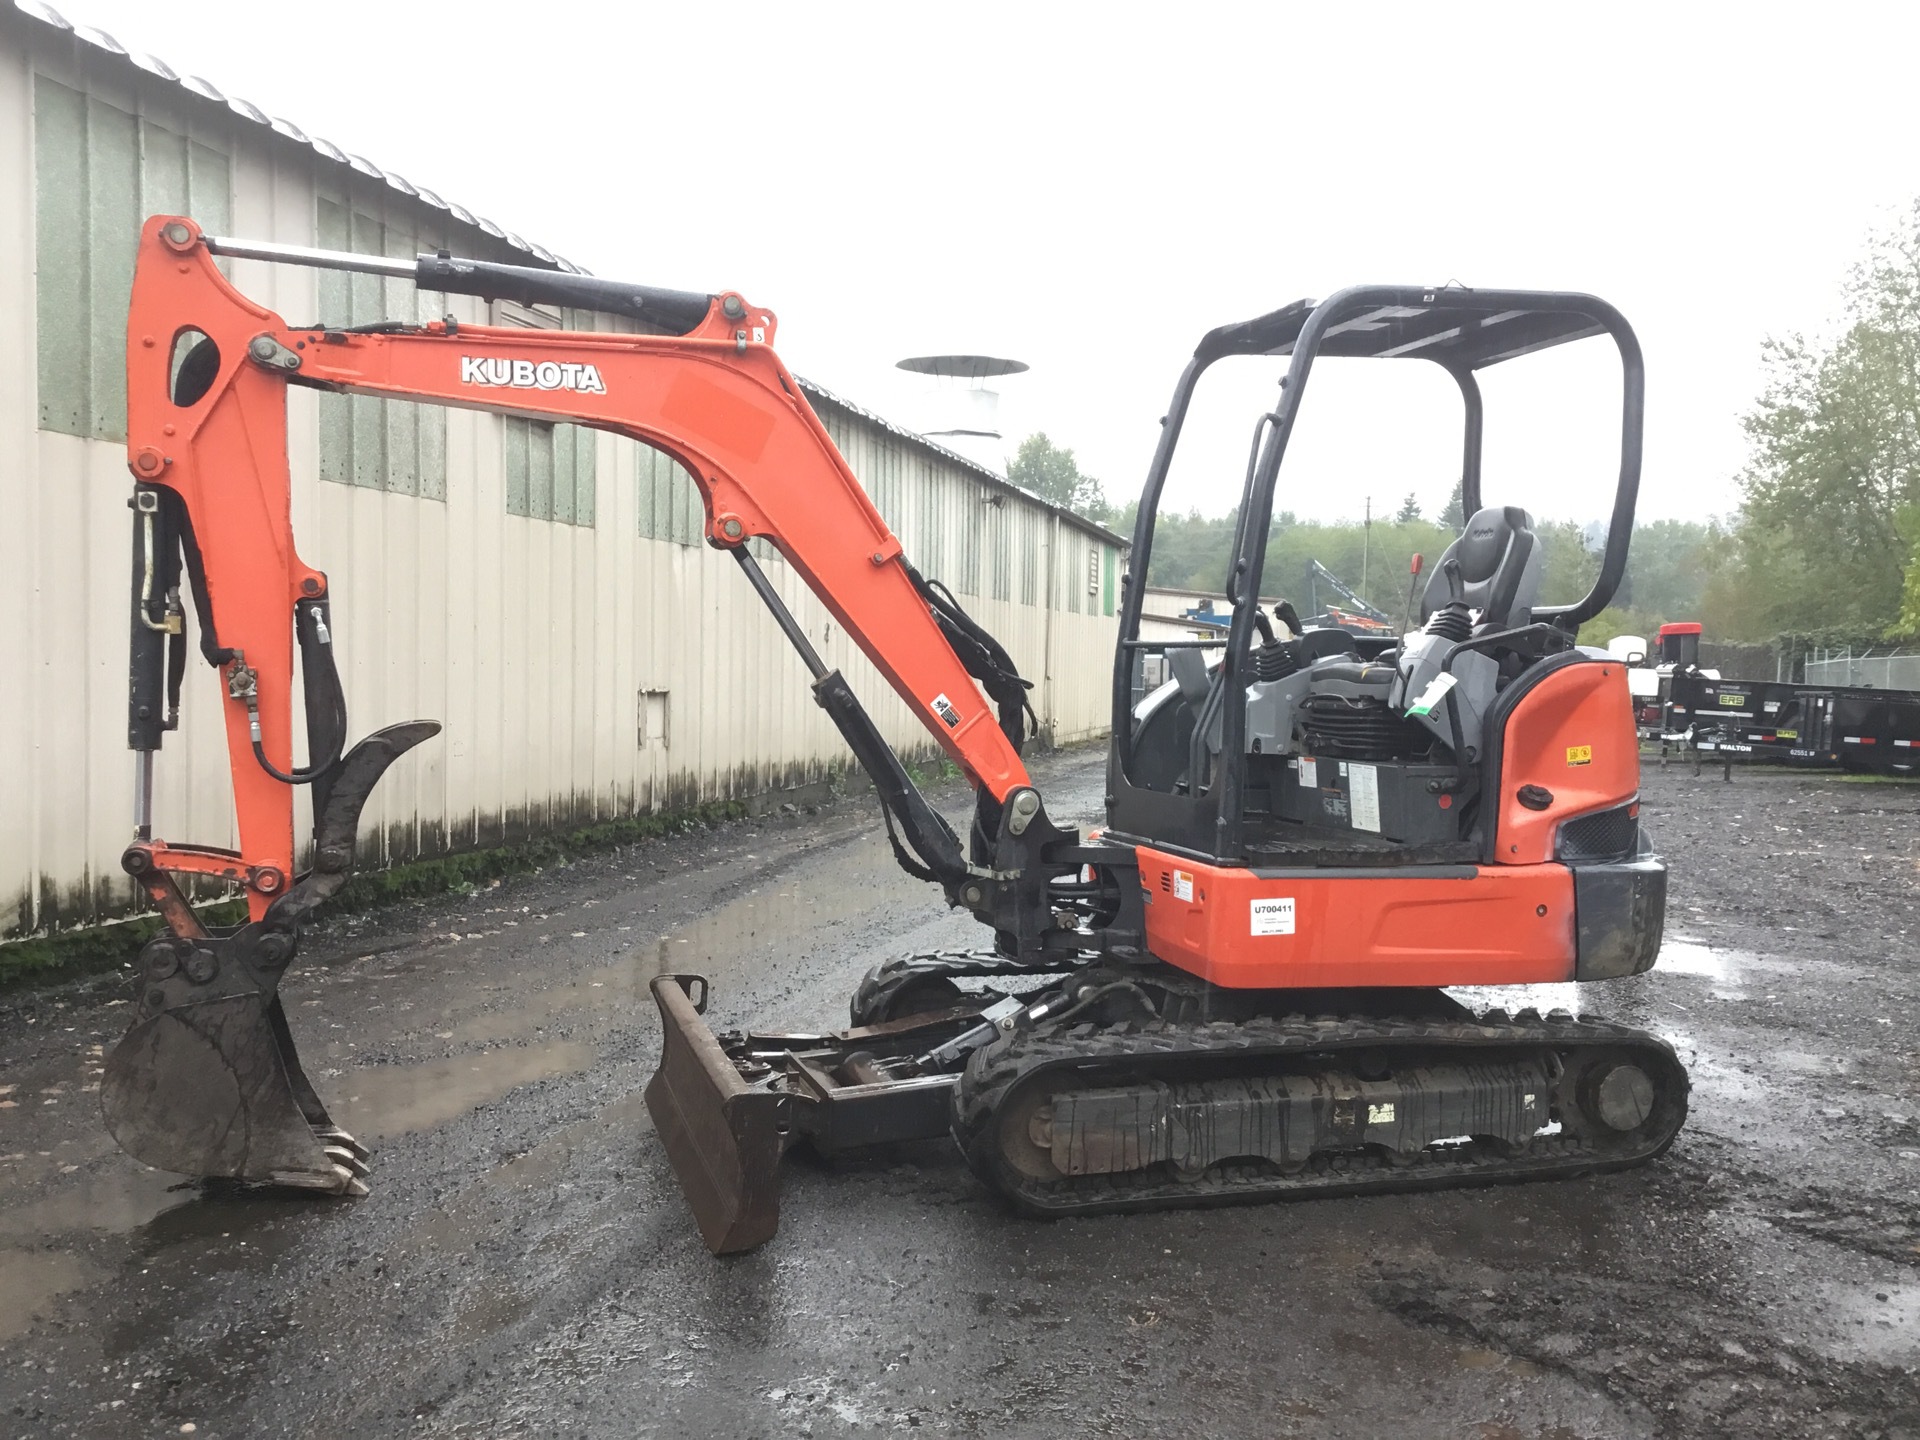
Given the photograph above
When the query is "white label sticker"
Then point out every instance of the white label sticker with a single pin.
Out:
(1273, 917)
(1381, 1114)
(1182, 885)
(1363, 789)
(1435, 692)
(1309, 772)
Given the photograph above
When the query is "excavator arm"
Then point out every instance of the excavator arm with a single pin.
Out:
(717, 398)
(207, 1081)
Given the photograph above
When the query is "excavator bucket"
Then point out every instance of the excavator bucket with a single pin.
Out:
(213, 1087)
(206, 1081)
(723, 1136)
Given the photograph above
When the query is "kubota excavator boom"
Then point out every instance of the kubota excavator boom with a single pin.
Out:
(1233, 992)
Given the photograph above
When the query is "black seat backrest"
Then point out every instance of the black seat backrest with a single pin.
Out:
(1494, 567)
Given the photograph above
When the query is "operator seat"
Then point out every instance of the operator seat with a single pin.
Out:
(1494, 567)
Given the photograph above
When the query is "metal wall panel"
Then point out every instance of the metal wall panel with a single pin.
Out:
(100, 166)
(583, 671)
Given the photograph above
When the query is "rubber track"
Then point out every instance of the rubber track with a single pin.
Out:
(993, 1073)
(890, 976)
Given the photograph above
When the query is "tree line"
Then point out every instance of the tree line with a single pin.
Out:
(1666, 577)
(1824, 548)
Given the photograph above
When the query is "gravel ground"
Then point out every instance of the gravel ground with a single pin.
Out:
(525, 1266)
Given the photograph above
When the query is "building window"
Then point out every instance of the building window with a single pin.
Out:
(670, 504)
(393, 445)
(932, 556)
(98, 173)
(971, 540)
(653, 720)
(1028, 543)
(551, 471)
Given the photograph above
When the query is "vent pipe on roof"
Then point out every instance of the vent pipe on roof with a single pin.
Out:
(959, 411)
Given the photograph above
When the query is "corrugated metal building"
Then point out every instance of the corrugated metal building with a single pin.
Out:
(542, 590)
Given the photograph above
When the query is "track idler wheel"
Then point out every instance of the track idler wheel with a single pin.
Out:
(1607, 1097)
(206, 1081)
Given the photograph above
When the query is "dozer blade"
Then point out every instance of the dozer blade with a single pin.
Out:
(207, 1089)
(723, 1136)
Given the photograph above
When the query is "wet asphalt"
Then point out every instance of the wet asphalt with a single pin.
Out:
(525, 1266)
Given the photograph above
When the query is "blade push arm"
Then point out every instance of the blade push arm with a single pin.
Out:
(718, 399)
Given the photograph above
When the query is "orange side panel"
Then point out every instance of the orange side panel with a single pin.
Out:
(1474, 925)
(1506, 924)
(1572, 735)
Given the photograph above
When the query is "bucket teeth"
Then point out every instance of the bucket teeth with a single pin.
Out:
(334, 1180)
(340, 1138)
(345, 1159)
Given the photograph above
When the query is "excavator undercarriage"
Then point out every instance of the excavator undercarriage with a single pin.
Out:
(1237, 990)
(1127, 1088)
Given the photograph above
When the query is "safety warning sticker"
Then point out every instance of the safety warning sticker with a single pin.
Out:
(1182, 885)
(1363, 789)
(1309, 772)
(1273, 917)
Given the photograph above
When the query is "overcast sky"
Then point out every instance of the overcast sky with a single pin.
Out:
(1089, 188)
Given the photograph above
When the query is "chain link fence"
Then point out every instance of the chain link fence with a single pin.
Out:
(1893, 670)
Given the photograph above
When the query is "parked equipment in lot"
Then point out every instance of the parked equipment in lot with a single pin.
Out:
(1677, 653)
(1232, 992)
(1794, 724)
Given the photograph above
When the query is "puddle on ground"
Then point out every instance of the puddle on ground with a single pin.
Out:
(1723, 968)
(1476, 1359)
(1690, 957)
(382, 1101)
(115, 1201)
(741, 933)
(1871, 1322)
(1677, 957)
(31, 1279)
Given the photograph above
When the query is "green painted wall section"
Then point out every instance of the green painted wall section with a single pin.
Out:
(552, 471)
(99, 172)
(391, 445)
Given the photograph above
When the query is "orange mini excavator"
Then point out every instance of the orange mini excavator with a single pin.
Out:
(1233, 992)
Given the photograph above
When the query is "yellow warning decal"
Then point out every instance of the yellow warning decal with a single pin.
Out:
(1579, 754)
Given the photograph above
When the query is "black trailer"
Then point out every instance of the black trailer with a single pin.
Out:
(1878, 730)
(1825, 726)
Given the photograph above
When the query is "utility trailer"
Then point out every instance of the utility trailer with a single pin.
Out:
(1877, 730)
(1818, 726)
